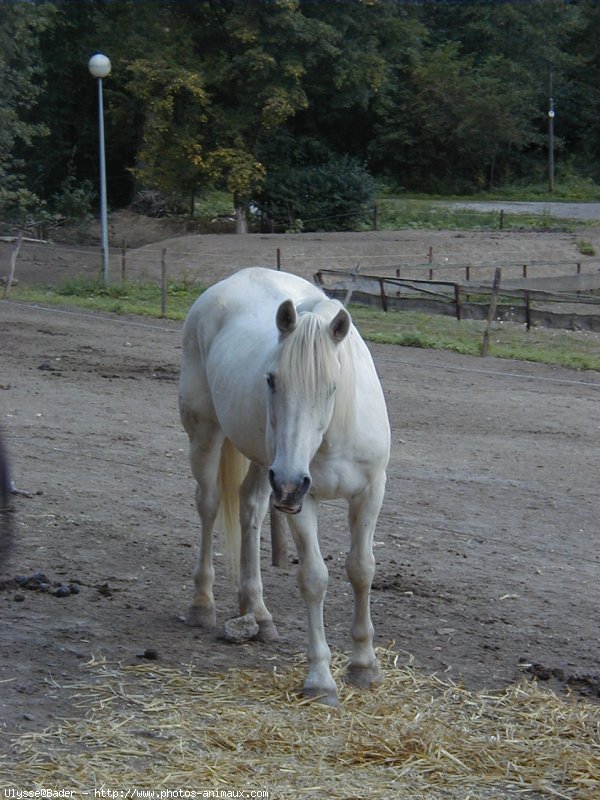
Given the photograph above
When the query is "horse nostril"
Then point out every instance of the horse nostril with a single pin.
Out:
(306, 484)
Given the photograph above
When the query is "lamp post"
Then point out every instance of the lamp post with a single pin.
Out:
(550, 133)
(99, 67)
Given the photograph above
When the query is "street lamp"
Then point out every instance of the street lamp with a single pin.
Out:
(550, 133)
(99, 67)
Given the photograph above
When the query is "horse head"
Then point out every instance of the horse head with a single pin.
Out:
(302, 382)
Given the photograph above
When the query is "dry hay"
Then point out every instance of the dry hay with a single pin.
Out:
(416, 736)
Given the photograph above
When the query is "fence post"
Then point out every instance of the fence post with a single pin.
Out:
(527, 311)
(457, 301)
(485, 344)
(13, 264)
(123, 260)
(350, 289)
(524, 270)
(501, 218)
(163, 284)
(382, 294)
(278, 259)
(375, 217)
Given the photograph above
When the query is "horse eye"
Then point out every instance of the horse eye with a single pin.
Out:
(271, 381)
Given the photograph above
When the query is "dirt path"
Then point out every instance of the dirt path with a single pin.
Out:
(487, 548)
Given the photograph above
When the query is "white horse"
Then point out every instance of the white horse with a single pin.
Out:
(279, 394)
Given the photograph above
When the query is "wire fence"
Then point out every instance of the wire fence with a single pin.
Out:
(295, 255)
(399, 271)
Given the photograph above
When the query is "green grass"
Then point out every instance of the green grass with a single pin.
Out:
(426, 214)
(568, 186)
(586, 248)
(119, 298)
(575, 349)
(213, 203)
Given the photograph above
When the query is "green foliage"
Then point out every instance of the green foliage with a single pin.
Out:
(21, 78)
(74, 200)
(441, 97)
(335, 195)
(174, 99)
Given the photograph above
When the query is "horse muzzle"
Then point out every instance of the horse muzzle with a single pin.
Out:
(289, 495)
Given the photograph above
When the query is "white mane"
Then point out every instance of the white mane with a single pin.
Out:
(312, 365)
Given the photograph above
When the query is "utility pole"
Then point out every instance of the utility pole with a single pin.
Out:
(550, 133)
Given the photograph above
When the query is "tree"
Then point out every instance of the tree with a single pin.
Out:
(170, 157)
(252, 59)
(438, 95)
(21, 78)
(451, 122)
(501, 53)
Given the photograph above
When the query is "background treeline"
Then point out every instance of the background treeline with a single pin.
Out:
(283, 102)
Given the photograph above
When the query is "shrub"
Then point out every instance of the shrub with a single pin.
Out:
(334, 195)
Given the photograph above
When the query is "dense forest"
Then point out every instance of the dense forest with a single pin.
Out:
(283, 102)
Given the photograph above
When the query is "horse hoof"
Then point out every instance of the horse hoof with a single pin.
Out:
(267, 632)
(201, 618)
(326, 697)
(363, 677)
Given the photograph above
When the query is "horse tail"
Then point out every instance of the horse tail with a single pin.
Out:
(233, 468)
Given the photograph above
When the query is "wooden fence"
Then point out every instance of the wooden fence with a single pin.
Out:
(568, 301)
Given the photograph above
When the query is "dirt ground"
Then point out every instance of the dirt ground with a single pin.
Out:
(487, 546)
(206, 257)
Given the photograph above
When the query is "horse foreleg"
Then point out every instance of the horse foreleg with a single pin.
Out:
(363, 669)
(254, 500)
(312, 581)
(205, 452)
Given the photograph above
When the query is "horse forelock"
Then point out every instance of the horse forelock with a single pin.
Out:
(312, 365)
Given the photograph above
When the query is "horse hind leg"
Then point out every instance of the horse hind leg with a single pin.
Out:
(206, 441)
(254, 499)
(363, 669)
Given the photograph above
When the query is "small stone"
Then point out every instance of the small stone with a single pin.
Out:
(150, 654)
(19, 598)
(239, 629)
(62, 591)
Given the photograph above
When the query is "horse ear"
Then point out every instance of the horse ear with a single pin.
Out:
(340, 325)
(286, 317)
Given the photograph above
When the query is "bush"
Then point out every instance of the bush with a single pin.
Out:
(334, 195)
(74, 200)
